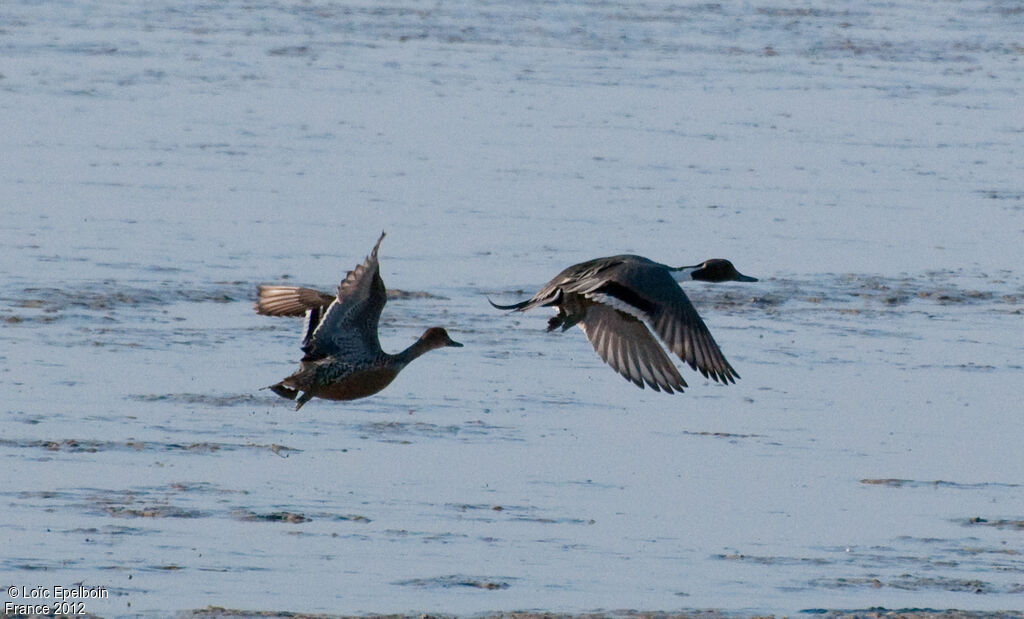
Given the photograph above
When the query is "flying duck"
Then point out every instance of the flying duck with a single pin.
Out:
(619, 300)
(342, 356)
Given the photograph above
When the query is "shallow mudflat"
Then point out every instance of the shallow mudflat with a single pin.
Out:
(862, 160)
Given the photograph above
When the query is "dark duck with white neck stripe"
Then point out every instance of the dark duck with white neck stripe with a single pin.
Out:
(619, 300)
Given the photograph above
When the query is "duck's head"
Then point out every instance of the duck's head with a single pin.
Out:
(436, 337)
(716, 270)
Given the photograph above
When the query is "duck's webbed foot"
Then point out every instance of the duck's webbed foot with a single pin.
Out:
(563, 319)
(305, 397)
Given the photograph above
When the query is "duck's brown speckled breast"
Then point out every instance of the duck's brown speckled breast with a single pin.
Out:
(358, 385)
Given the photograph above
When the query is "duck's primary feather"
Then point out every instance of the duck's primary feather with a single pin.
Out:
(625, 344)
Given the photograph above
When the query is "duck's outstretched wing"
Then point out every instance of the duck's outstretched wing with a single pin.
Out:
(649, 293)
(289, 300)
(294, 301)
(625, 344)
(348, 329)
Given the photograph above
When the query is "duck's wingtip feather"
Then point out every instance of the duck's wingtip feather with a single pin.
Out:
(373, 254)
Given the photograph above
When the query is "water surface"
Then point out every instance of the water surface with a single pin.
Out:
(862, 159)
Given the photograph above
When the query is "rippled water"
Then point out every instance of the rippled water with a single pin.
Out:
(862, 159)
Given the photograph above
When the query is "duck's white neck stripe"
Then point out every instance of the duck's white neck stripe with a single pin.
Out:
(684, 274)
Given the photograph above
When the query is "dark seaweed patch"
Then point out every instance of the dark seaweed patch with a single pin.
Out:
(767, 560)
(394, 294)
(1002, 194)
(543, 520)
(289, 517)
(455, 581)
(913, 582)
(857, 293)
(170, 501)
(721, 434)
(910, 483)
(107, 295)
(111, 531)
(70, 445)
(403, 431)
(442, 537)
(344, 517)
(153, 511)
(249, 515)
(1017, 525)
(236, 399)
(490, 513)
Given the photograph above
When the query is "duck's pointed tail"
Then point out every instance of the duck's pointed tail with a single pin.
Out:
(285, 392)
(514, 306)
